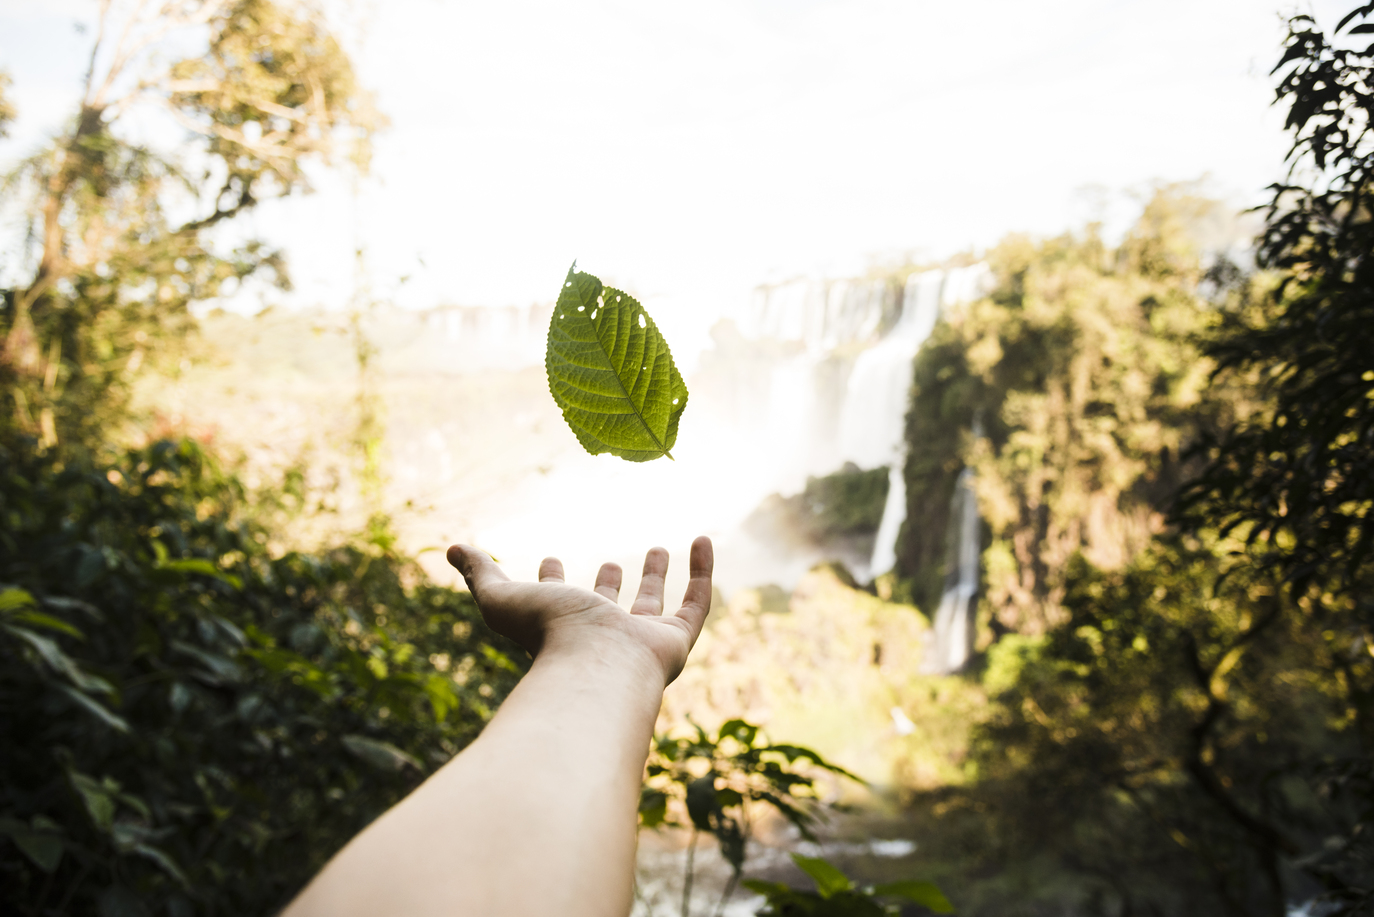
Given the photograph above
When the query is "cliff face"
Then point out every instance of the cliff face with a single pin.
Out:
(1081, 375)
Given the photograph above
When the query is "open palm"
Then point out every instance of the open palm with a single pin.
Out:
(553, 613)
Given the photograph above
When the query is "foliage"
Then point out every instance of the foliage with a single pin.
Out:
(1169, 723)
(193, 724)
(1167, 740)
(1070, 391)
(611, 372)
(714, 780)
(1300, 481)
(837, 896)
(1297, 482)
(113, 265)
(831, 510)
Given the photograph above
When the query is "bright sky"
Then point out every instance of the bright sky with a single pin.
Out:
(689, 151)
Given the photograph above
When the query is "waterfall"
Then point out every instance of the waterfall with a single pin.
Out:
(951, 642)
(828, 318)
(878, 408)
(876, 392)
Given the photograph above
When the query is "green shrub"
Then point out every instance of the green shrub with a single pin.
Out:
(191, 724)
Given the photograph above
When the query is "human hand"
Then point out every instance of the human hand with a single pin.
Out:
(551, 616)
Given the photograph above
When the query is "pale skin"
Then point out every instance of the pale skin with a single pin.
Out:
(537, 816)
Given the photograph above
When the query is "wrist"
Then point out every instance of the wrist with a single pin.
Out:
(604, 655)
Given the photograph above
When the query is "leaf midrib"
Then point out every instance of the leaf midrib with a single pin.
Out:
(601, 348)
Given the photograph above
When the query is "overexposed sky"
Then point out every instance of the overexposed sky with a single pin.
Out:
(689, 151)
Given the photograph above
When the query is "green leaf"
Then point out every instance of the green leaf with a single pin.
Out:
(217, 669)
(167, 864)
(926, 894)
(96, 709)
(39, 841)
(99, 798)
(39, 619)
(499, 659)
(381, 755)
(702, 802)
(59, 661)
(13, 598)
(766, 888)
(442, 696)
(728, 797)
(204, 567)
(829, 880)
(739, 730)
(653, 807)
(794, 752)
(611, 373)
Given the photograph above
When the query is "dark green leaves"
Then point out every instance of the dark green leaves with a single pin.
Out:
(926, 894)
(611, 373)
(268, 706)
(837, 896)
(381, 755)
(40, 840)
(829, 880)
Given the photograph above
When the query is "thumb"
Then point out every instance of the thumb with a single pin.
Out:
(479, 571)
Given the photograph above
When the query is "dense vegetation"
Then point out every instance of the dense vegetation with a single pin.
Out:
(1174, 461)
(1173, 466)
(195, 714)
(193, 724)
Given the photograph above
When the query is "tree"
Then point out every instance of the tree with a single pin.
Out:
(193, 723)
(1160, 743)
(1169, 725)
(1297, 481)
(114, 266)
(1083, 372)
(194, 719)
(1300, 479)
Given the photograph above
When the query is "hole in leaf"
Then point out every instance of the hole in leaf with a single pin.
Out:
(581, 308)
(568, 284)
(674, 401)
(593, 313)
(617, 299)
(641, 320)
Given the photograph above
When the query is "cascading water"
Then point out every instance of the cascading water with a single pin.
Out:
(826, 318)
(952, 635)
(798, 382)
(926, 295)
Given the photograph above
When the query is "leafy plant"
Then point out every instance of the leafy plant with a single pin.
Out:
(191, 724)
(120, 236)
(714, 781)
(611, 373)
(837, 896)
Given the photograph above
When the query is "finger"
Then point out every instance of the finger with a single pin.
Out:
(608, 580)
(551, 570)
(696, 601)
(478, 569)
(649, 600)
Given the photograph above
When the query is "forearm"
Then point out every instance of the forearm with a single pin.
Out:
(536, 817)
